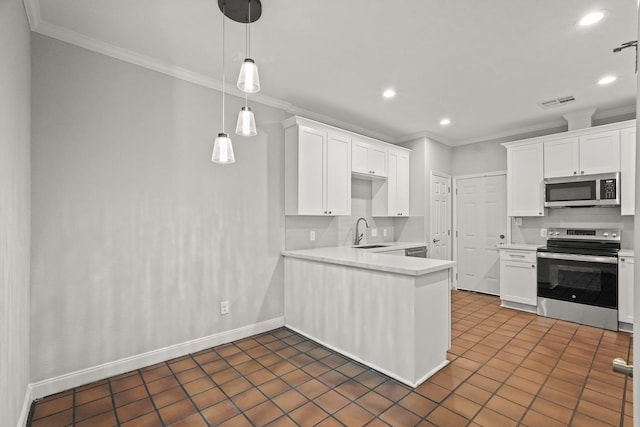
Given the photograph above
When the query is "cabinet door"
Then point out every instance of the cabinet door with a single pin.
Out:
(600, 152)
(338, 175)
(518, 282)
(524, 180)
(378, 161)
(392, 185)
(628, 171)
(403, 189)
(360, 157)
(311, 170)
(625, 289)
(561, 157)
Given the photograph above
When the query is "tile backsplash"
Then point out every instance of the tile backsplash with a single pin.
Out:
(339, 230)
(529, 231)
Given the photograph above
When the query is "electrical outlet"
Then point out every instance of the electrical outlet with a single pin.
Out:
(519, 222)
(312, 236)
(224, 307)
(374, 232)
(543, 232)
(384, 232)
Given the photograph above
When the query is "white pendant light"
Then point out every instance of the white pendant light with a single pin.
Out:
(223, 148)
(249, 80)
(246, 125)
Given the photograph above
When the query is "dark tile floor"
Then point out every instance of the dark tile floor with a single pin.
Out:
(507, 368)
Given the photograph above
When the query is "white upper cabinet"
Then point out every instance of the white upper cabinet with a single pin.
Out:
(593, 153)
(369, 158)
(561, 157)
(391, 196)
(338, 174)
(627, 171)
(524, 180)
(317, 172)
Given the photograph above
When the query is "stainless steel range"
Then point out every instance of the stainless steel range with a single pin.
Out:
(578, 276)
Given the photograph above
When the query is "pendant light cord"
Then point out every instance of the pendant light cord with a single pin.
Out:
(247, 39)
(223, 77)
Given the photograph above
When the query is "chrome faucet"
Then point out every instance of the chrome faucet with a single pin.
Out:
(359, 236)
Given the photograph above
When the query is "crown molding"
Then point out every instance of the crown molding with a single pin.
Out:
(514, 132)
(426, 134)
(614, 112)
(297, 111)
(60, 33)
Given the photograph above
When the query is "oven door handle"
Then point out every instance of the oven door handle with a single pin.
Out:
(576, 257)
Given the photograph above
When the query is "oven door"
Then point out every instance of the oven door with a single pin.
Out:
(584, 279)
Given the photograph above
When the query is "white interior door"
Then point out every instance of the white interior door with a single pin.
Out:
(481, 222)
(440, 243)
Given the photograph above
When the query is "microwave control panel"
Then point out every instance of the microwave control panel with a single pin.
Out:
(608, 189)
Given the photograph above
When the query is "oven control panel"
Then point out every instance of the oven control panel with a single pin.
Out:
(601, 234)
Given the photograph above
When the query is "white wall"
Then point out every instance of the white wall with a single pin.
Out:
(15, 199)
(138, 237)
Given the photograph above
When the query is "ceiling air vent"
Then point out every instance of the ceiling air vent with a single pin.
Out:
(556, 102)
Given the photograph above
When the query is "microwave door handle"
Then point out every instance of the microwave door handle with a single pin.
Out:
(576, 257)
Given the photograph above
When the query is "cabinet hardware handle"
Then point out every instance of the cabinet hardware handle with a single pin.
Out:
(533, 266)
(622, 259)
(582, 172)
(575, 173)
(329, 211)
(539, 213)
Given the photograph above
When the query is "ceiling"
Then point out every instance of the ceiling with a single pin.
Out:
(484, 64)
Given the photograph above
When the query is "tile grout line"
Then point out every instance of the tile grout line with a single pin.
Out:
(113, 403)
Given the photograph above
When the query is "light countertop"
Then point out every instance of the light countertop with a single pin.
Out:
(626, 252)
(392, 246)
(365, 258)
(520, 246)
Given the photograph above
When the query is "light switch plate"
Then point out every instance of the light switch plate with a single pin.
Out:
(384, 232)
(519, 221)
(312, 236)
(543, 232)
(374, 232)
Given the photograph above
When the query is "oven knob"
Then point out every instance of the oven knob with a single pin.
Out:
(606, 234)
(557, 233)
(573, 296)
(614, 235)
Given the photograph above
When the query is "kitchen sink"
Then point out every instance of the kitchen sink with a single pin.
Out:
(370, 246)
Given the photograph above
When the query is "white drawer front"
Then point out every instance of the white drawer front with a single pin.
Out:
(516, 255)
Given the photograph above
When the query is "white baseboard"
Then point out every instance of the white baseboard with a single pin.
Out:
(106, 370)
(26, 407)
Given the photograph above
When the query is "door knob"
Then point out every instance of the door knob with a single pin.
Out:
(502, 236)
(620, 366)
(436, 240)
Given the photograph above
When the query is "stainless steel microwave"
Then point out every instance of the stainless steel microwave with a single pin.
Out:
(582, 190)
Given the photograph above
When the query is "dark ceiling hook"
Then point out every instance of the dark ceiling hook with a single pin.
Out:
(633, 43)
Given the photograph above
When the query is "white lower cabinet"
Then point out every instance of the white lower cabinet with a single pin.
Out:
(518, 279)
(625, 288)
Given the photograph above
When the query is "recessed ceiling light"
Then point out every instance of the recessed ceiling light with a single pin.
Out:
(389, 93)
(591, 18)
(445, 122)
(606, 80)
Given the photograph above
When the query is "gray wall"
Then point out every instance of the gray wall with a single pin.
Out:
(138, 236)
(427, 156)
(15, 199)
